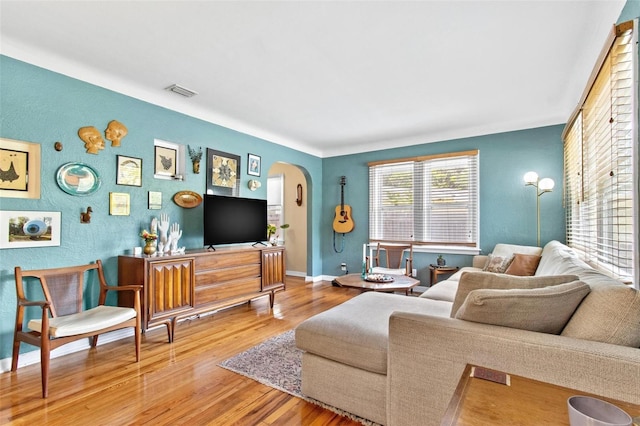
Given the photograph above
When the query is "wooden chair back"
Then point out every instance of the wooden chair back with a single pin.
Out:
(394, 255)
(63, 288)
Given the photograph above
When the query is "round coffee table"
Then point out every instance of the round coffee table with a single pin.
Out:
(400, 283)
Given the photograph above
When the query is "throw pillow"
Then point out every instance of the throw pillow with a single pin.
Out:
(477, 280)
(545, 310)
(497, 264)
(610, 314)
(523, 265)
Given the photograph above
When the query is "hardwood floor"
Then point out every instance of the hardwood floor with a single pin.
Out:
(178, 383)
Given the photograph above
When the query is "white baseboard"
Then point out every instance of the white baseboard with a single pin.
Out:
(33, 357)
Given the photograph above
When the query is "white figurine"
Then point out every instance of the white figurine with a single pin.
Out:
(174, 236)
(163, 227)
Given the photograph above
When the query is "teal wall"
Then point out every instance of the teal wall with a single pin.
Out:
(507, 207)
(40, 106)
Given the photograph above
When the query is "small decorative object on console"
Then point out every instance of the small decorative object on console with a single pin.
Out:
(441, 261)
(169, 236)
(150, 241)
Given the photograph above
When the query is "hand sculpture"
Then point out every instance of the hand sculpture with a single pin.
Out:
(174, 236)
(163, 227)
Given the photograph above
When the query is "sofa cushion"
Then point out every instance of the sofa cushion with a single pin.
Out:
(523, 265)
(356, 332)
(446, 290)
(558, 259)
(508, 250)
(609, 314)
(478, 280)
(497, 264)
(545, 310)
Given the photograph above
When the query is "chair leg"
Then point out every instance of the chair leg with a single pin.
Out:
(16, 352)
(138, 339)
(45, 354)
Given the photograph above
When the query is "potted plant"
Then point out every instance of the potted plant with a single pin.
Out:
(440, 260)
(271, 232)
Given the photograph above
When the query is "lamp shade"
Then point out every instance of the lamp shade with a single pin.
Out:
(530, 177)
(546, 184)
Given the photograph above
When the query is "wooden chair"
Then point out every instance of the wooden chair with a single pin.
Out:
(394, 256)
(63, 317)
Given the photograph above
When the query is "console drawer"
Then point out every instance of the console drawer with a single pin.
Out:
(227, 260)
(218, 292)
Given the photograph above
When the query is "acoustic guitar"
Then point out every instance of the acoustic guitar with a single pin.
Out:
(343, 221)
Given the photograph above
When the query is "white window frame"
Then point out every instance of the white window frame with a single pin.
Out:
(416, 192)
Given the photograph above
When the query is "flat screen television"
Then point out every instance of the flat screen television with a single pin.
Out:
(231, 220)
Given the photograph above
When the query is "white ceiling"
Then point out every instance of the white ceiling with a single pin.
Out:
(328, 77)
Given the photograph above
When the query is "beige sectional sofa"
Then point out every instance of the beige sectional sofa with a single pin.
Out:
(396, 360)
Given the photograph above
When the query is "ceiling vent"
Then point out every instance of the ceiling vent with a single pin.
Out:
(182, 91)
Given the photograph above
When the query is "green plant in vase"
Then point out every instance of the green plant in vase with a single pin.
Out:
(272, 232)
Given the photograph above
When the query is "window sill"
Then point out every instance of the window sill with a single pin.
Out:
(472, 251)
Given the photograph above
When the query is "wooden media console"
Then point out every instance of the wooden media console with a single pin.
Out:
(199, 281)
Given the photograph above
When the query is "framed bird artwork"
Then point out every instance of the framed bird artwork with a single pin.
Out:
(165, 161)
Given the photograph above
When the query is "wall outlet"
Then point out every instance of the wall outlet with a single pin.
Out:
(343, 266)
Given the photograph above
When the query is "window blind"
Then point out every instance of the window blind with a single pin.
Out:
(599, 147)
(426, 200)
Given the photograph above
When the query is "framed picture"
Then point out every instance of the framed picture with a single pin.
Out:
(155, 200)
(119, 204)
(253, 165)
(19, 169)
(22, 229)
(223, 173)
(128, 171)
(165, 161)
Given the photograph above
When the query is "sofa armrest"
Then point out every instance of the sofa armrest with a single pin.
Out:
(480, 261)
(427, 356)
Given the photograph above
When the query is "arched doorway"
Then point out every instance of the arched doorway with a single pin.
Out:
(287, 199)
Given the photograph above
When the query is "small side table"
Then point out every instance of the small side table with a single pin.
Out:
(440, 270)
(479, 402)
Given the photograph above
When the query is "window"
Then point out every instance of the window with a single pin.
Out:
(275, 189)
(600, 146)
(426, 200)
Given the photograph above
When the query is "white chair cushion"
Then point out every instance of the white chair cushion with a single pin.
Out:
(85, 322)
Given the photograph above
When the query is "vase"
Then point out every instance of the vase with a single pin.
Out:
(149, 248)
(440, 261)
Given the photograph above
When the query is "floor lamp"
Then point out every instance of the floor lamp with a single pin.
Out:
(541, 186)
